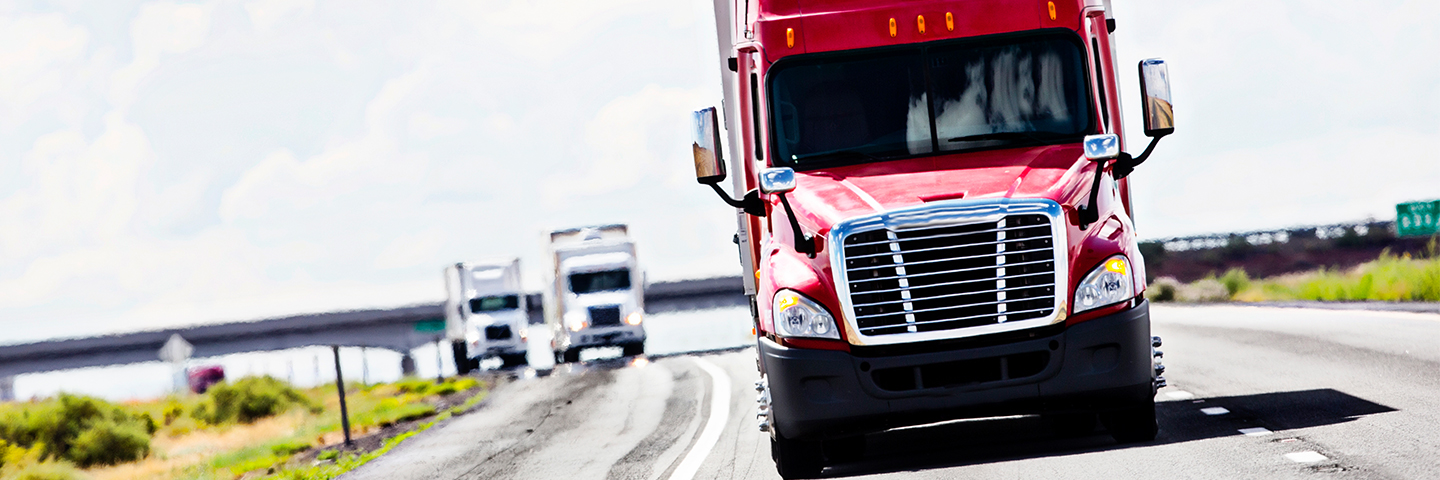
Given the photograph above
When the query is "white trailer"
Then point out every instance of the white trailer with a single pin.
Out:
(485, 313)
(597, 295)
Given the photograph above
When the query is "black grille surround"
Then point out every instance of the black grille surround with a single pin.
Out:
(951, 275)
(497, 332)
(601, 316)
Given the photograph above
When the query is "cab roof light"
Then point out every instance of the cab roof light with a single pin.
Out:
(790, 37)
(1052, 10)
(920, 23)
(949, 21)
(892, 28)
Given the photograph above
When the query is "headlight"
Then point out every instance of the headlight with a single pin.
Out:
(576, 321)
(797, 316)
(634, 318)
(1107, 284)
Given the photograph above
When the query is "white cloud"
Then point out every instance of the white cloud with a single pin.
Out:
(425, 126)
(632, 139)
(161, 28)
(265, 14)
(40, 56)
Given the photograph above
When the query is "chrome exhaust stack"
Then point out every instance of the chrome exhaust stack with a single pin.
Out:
(762, 398)
(1156, 357)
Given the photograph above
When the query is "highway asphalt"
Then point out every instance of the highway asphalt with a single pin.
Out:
(1322, 393)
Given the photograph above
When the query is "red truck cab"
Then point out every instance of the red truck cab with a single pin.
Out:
(935, 220)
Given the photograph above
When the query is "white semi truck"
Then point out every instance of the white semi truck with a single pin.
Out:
(597, 296)
(485, 314)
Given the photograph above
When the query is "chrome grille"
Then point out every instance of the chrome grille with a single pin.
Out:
(952, 276)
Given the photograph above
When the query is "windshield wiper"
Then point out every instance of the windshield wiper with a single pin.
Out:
(834, 154)
(1032, 136)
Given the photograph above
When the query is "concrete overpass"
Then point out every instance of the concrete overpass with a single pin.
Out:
(400, 329)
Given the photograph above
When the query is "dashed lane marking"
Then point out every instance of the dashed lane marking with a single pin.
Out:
(1256, 432)
(1180, 395)
(719, 415)
(1306, 457)
(1214, 411)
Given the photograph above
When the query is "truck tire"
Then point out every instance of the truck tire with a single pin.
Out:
(1134, 424)
(559, 357)
(632, 349)
(512, 360)
(462, 357)
(572, 355)
(797, 458)
(847, 449)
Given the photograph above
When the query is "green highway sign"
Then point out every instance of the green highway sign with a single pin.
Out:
(1417, 219)
(430, 326)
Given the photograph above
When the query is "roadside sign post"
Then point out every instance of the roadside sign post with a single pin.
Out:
(340, 386)
(176, 351)
(1417, 219)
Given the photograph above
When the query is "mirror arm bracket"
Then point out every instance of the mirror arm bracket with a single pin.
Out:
(804, 243)
(750, 203)
(1127, 164)
(1124, 165)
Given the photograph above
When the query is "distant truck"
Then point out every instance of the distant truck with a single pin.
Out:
(597, 295)
(485, 313)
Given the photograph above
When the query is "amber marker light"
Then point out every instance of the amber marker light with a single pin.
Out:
(788, 301)
(790, 37)
(949, 21)
(892, 28)
(1052, 10)
(920, 23)
(1116, 265)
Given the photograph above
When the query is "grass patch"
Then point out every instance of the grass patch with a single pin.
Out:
(1388, 278)
(224, 434)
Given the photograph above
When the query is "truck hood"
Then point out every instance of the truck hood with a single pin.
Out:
(823, 198)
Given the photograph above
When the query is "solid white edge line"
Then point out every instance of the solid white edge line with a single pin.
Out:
(719, 415)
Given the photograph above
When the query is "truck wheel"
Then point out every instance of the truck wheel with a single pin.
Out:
(512, 360)
(1131, 425)
(462, 357)
(632, 349)
(846, 449)
(559, 357)
(572, 355)
(796, 458)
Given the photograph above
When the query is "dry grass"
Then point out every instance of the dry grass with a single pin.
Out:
(172, 454)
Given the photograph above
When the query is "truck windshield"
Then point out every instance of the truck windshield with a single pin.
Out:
(493, 303)
(600, 281)
(834, 109)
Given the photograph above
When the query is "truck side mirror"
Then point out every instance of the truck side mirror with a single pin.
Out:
(709, 160)
(777, 180)
(1155, 98)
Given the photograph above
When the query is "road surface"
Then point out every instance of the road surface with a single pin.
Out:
(1323, 394)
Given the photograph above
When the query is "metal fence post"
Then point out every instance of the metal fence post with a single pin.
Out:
(340, 385)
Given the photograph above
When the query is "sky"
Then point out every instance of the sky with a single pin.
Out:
(168, 163)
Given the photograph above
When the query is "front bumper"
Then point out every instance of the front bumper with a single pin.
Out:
(1098, 365)
(605, 336)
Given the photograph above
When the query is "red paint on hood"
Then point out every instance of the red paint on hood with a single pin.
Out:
(825, 197)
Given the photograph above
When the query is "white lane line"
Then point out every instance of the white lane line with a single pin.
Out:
(1256, 432)
(1306, 457)
(1214, 411)
(719, 414)
(1180, 395)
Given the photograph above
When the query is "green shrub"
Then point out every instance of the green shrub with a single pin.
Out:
(1235, 281)
(109, 443)
(1163, 289)
(328, 455)
(84, 430)
(248, 400)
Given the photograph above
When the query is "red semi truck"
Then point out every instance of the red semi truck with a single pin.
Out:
(934, 216)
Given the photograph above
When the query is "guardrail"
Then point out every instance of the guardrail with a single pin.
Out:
(1358, 231)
